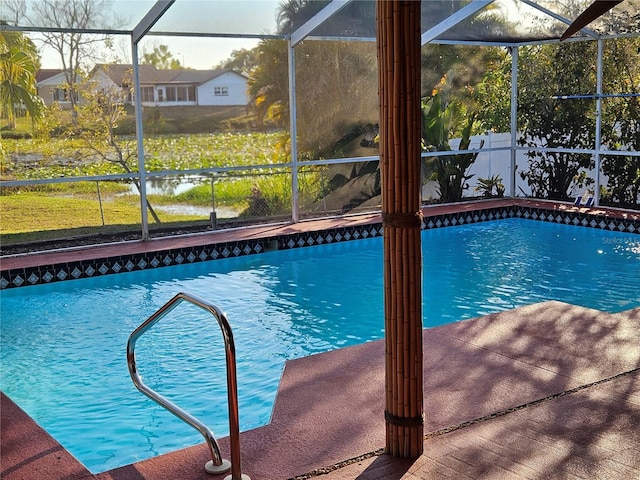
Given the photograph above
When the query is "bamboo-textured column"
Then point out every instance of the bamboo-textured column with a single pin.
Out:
(398, 44)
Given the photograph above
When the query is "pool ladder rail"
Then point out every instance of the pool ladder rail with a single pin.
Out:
(217, 465)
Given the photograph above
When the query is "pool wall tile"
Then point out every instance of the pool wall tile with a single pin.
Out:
(21, 277)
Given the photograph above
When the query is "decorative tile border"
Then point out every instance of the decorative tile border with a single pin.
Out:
(22, 277)
(335, 235)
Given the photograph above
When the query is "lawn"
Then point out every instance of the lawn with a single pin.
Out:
(39, 211)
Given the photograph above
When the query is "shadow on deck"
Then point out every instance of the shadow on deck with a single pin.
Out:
(550, 390)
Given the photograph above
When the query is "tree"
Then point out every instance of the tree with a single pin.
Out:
(242, 60)
(19, 62)
(268, 83)
(293, 13)
(14, 11)
(336, 81)
(161, 58)
(96, 122)
(73, 47)
(337, 93)
(546, 72)
(491, 97)
(621, 120)
(449, 171)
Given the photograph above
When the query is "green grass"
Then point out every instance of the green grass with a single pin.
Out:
(21, 213)
(23, 128)
(34, 212)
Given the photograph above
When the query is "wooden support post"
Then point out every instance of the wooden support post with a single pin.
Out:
(398, 44)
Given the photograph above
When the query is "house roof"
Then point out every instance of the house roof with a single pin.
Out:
(45, 73)
(123, 73)
(149, 74)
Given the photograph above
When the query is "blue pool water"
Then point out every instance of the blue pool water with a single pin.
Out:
(63, 345)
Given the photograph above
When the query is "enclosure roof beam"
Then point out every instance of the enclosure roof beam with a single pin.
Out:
(318, 19)
(91, 31)
(451, 21)
(150, 19)
(560, 18)
(256, 36)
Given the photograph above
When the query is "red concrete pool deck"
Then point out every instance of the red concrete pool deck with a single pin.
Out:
(549, 390)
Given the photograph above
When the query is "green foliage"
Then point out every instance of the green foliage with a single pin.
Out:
(154, 121)
(19, 62)
(241, 60)
(621, 121)
(449, 171)
(227, 192)
(547, 71)
(187, 120)
(198, 195)
(270, 195)
(336, 82)
(470, 65)
(336, 85)
(491, 97)
(182, 152)
(161, 58)
(268, 85)
(60, 157)
(623, 180)
(253, 195)
(55, 158)
(488, 185)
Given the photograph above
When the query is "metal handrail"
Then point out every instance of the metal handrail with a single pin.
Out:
(217, 464)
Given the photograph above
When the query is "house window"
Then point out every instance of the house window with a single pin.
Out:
(181, 94)
(62, 95)
(186, 94)
(146, 94)
(221, 91)
(171, 94)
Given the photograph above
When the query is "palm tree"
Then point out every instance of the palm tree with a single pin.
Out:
(19, 63)
(293, 13)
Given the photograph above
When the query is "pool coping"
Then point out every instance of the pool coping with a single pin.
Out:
(37, 268)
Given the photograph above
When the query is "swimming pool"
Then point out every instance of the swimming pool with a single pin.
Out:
(63, 344)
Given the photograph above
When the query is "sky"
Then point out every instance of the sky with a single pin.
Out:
(223, 16)
(229, 17)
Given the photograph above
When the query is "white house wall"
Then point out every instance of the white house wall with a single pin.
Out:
(46, 87)
(236, 88)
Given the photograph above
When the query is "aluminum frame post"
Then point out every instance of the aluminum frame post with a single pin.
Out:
(514, 118)
(293, 133)
(140, 141)
(596, 193)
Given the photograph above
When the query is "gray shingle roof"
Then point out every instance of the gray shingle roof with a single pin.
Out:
(149, 74)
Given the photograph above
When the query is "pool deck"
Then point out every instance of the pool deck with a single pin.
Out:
(549, 390)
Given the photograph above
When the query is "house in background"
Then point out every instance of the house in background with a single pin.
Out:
(50, 85)
(167, 88)
(158, 88)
